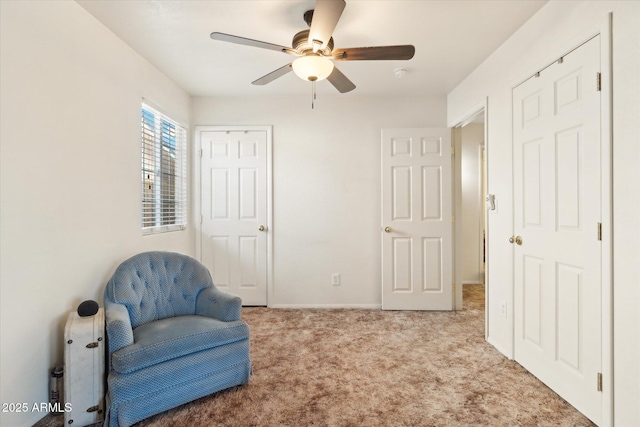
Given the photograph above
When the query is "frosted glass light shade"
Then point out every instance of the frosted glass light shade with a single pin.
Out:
(312, 67)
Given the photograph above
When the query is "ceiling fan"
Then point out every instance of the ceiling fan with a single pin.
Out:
(315, 49)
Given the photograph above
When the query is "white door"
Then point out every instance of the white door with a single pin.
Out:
(557, 205)
(417, 258)
(233, 204)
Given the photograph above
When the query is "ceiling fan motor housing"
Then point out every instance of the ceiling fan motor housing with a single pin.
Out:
(302, 45)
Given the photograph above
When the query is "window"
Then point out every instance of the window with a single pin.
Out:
(164, 172)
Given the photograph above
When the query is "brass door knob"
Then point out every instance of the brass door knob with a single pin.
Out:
(261, 228)
(518, 240)
(387, 229)
(512, 239)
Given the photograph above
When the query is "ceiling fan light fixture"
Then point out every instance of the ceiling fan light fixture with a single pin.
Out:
(312, 67)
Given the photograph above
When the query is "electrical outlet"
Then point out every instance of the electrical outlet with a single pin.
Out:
(335, 279)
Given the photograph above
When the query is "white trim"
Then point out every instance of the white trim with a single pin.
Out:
(149, 231)
(196, 193)
(456, 189)
(470, 114)
(161, 110)
(487, 162)
(462, 120)
(606, 144)
(329, 306)
(482, 209)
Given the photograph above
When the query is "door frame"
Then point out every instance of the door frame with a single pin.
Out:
(604, 30)
(481, 107)
(196, 192)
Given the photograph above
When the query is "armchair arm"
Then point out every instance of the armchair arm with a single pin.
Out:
(118, 324)
(212, 302)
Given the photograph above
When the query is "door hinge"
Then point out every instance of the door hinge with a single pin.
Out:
(599, 385)
(599, 82)
(599, 231)
(453, 219)
(453, 288)
(453, 150)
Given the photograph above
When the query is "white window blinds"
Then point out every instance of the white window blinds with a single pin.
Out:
(164, 172)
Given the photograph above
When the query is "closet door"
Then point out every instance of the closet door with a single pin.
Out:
(557, 211)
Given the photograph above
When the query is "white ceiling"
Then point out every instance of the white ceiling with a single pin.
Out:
(451, 38)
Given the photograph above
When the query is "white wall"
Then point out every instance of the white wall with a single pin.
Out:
(555, 26)
(70, 179)
(326, 174)
(470, 248)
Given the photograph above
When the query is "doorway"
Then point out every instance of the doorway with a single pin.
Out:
(472, 194)
(470, 177)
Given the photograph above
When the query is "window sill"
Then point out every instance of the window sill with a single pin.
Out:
(162, 229)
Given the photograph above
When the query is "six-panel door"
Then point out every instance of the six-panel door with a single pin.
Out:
(557, 265)
(234, 212)
(416, 219)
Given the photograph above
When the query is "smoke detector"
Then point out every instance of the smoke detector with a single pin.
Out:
(400, 72)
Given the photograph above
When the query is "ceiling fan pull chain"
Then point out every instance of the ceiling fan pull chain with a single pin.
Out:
(313, 94)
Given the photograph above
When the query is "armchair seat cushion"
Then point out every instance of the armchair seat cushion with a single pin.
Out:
(175, 337)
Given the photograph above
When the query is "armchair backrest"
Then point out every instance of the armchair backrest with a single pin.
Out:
(156, 285)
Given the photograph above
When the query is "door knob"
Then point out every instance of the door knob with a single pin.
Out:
(261, 228)
(387, 229)
(518, 240)
(512, 239)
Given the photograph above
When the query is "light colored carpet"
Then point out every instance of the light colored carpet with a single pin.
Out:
(330, 367)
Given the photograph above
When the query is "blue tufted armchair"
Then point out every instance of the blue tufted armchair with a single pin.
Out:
(172, 336)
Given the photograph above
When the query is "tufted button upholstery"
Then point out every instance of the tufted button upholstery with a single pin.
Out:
(155, 285)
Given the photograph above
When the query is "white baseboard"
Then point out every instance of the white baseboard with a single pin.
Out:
(361, 306)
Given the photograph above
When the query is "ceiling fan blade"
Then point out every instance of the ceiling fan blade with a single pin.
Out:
(250, 42)
(325, 18)
(374, 53)
(340, 81)
(272, 75)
